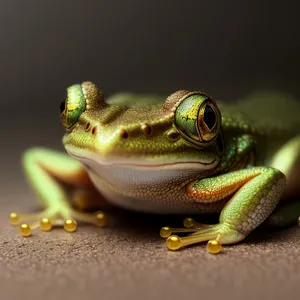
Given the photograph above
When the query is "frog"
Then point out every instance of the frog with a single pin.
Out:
(185, 154)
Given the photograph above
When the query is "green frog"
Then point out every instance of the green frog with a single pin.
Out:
(186, 154)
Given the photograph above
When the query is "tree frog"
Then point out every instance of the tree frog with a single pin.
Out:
(186, 154)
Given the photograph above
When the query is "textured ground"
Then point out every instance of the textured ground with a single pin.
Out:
(130, 261)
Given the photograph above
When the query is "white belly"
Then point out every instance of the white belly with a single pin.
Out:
(149, 189)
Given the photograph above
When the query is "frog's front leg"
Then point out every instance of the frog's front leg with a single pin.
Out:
(253, 194)
(51, 173)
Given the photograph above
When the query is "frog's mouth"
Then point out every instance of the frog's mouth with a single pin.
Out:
(126, 176)
(88, 158)
(131, 177)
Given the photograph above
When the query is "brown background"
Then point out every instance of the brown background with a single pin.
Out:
(225, 48)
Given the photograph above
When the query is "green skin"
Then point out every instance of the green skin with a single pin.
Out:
(177, 156)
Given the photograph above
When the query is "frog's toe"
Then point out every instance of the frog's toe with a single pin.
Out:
(98, 218)
(48, 219)
(190, 225)
(214, 245)
(166, 231)
(174, 242)
(215, 235)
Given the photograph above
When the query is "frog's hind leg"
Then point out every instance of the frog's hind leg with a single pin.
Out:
(287, 160)
(51, 174)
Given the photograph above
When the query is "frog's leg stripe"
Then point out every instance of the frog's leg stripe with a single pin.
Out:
(248, 207)
(210, 190)
(49, 172)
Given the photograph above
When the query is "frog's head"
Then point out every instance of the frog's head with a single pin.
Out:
(184, 132)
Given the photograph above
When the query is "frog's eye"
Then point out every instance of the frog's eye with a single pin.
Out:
(73, 106)
(80, 97)
(198, 118)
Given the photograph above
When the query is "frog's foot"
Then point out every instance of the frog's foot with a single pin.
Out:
(45, 220)
(215, 235)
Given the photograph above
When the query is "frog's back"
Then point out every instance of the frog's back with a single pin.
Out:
(273, 113)
(272, 117)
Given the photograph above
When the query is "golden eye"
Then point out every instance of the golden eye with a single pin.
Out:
(198, 118)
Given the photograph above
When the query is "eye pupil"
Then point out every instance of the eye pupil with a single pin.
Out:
(62, 106)
(209, 117)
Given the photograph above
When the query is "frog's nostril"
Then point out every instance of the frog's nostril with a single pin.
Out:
(87, 126)
(124, 134)
(95, 130)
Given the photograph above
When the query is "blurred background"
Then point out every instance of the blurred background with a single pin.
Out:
(224, 48)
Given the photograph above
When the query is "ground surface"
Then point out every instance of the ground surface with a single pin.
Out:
(128, 260)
